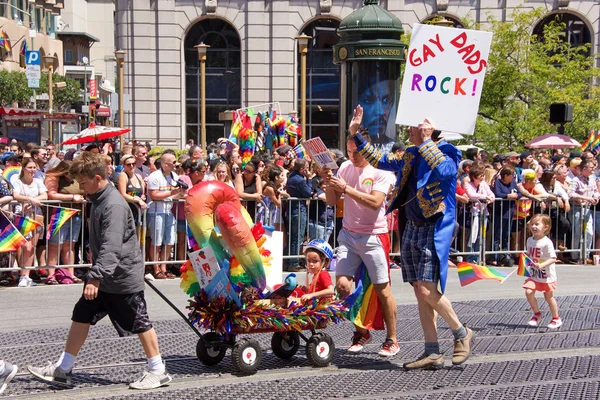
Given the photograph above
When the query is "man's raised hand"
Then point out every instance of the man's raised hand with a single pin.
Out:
(357, 117)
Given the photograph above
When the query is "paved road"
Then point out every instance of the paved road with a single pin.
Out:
(510, 360)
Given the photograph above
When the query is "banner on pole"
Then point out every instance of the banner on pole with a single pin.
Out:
(444, 77)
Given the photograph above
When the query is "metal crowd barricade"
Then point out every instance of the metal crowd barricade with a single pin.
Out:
(44, 247)
(496, 236)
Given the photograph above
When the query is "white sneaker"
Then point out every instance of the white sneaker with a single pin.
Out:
(151, 380)
(26, 281)
(555, 323)
(51, 373)
(149, 277)
(9, 373)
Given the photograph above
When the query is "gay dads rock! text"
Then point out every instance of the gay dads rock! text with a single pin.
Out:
(443, 78)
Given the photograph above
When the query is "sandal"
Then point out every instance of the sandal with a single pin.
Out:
(171, 276)
(76, 280)
(160, 275)
(51, 280)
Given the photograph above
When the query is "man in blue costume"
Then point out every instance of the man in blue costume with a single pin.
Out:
(425, 197)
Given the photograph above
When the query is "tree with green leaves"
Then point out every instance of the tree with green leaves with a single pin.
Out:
(63, 98)
(526, 73)
(14, 89)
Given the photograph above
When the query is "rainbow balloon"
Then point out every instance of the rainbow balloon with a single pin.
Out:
(214, 204)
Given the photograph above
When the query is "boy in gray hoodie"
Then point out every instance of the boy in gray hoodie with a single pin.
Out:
(114, 286)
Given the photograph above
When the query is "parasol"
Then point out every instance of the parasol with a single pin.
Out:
(553, 141)
(94, 133)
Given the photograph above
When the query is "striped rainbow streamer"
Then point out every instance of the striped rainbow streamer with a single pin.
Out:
(524, 264)
(25, 225)
(57, 219)
(10, 237)
(469, 273)
(365, 309)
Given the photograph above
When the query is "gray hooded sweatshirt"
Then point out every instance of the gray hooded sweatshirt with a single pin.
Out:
(116, 256)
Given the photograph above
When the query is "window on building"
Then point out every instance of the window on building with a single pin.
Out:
(39, 16)
(576, 31)
(17, 11)
(223, 77)
(68, 56)
(438, 18)
(51, 25)
(322, 83)
(3, 10)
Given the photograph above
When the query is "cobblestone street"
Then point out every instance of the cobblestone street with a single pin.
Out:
(510, 361)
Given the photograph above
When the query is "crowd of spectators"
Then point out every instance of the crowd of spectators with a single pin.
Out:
(495, 194)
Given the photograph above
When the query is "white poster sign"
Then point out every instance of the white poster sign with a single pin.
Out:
(319, 153)
(205, 265)
(443, 79)
(274, 244)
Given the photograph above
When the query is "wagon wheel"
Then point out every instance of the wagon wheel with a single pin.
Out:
(210, 349)
(246, 356)
(285, 344)
(320, 349)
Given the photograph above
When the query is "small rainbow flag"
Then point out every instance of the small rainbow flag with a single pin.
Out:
(365, 309)
(301, 152)
(595, 146)
(10, 237)
(25, 225)
(9, 172)
(589, 141)
(469, 273)
(7, 45)
(524, 264)
(57, 219)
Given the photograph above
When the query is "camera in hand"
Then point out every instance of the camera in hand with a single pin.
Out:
(180, 183)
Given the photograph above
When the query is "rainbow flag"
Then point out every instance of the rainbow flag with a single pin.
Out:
(469, 273)
(588, 142)
(7, 45)
(595, 146)
(524, 264)
(301, 152)
(25, 225)
(365, 309)
(10, 237)
(24, 47)
(9, 172)
(57, 219)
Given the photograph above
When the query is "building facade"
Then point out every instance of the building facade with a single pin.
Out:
(253, 59)
(87, 32)
(29, 25)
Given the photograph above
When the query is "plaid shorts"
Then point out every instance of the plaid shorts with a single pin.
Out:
(419, 259)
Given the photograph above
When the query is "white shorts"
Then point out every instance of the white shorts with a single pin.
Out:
(355, 248)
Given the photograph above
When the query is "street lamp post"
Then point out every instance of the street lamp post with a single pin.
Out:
(85, 62)
(49, 60)
(202, 60)
(120, 54)
(303, 47)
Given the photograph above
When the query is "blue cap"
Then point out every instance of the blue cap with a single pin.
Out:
(321, 246)
(6, 155)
